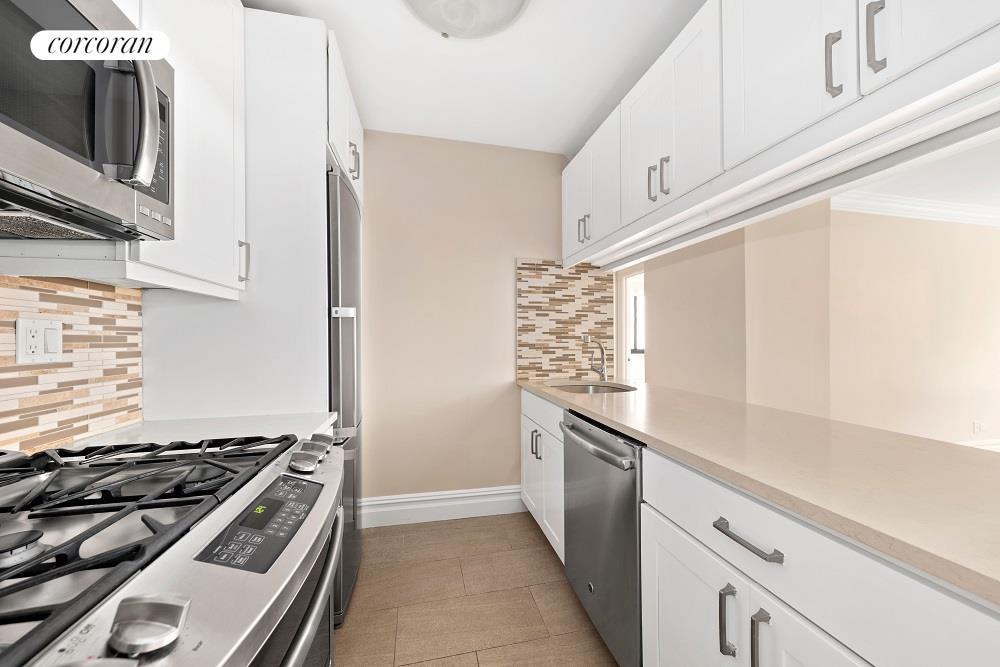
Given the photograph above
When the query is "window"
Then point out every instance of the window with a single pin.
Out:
(632, 325)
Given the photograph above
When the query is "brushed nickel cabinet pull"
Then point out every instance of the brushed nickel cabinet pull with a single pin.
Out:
(871, 9)
(534, 444)
(760, 616)
(722, 525)
(538, 449)
(649, 182)
(586, 227)
(664, 168)
(725, 647)
(831, 39)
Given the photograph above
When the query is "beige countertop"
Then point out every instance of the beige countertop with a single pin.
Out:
(930, 505)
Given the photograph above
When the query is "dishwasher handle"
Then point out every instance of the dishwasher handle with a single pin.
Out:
(594, 449)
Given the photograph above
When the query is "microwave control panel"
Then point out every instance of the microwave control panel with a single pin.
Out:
(262, 531)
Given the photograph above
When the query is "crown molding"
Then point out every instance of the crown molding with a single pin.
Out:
(916, 208)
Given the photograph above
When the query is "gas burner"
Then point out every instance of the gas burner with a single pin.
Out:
(106, 512)
(15, 548)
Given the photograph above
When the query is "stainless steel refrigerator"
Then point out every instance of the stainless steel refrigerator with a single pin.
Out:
(345, 370)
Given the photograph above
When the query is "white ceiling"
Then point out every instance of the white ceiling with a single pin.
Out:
(545, 83)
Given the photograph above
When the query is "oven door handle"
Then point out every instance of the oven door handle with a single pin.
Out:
(149, 125)
(306, 635)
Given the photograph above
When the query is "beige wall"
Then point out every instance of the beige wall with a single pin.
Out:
(695, 318)
(444, 222)
(915, 325)
(887, 322)
(788, 311)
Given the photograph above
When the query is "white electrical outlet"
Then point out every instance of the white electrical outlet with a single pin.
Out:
(38, 341)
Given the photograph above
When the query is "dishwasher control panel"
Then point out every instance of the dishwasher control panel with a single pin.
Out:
(255, 540)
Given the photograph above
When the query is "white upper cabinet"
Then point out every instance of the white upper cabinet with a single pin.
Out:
(346, 134)
(898, 36)
(356, 149)
(786, 65)
(605, 214)
(592, 203)
(339, 91)
(576, 192)
(671, 121)
(694, 97)
(207, 54)
(644, 121)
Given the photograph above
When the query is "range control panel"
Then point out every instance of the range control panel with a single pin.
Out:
(255, 540)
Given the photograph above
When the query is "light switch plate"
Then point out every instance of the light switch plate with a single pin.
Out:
(38, 341)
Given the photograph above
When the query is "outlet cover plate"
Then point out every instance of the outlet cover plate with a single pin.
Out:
(38, 341)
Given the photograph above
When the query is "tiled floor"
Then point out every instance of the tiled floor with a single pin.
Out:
(483, 591)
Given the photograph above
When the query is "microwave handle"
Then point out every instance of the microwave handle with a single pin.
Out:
(149, 125)
(304, 638)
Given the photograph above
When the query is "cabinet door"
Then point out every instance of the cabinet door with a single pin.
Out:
(695, 608)
(788, 64)
(339, 105)
(605, 214)
(645, 119)
(207, 65)
(356, 146)
(692, 149)
(531, 468)
(576, 188)
(900, 35)
(553, 487)
(785, 638)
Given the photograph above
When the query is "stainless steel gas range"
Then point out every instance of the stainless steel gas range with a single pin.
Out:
(218, 552)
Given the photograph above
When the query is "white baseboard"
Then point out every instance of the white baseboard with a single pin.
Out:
(440, 505)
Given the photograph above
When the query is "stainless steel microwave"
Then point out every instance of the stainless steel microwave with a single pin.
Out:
(85, 146)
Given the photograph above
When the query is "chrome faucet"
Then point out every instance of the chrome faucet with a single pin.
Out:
(602, 369)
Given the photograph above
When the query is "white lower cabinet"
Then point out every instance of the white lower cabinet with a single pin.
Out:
(550, 450)
(698, 610)
(531, 468)
(542, 481)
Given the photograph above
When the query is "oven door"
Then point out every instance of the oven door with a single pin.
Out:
(304, 635)
(72, 131)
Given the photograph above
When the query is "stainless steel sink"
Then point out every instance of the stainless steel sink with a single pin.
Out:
(583, 387)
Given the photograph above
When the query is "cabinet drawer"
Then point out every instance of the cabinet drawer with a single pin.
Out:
(885, 615)
(545, 414)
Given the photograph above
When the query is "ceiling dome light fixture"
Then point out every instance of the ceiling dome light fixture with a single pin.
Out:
(467, 18)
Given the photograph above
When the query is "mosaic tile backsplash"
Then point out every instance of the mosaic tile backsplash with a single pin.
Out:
(555, 307)
(98, 384)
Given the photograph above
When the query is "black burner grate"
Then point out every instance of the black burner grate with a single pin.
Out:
(200, 475)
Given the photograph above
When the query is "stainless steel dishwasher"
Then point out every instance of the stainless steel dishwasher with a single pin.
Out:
(602, 531)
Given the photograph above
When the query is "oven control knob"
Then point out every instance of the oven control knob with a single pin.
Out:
(322, 437)
(147, 623)
(304, 462)
(317, 448)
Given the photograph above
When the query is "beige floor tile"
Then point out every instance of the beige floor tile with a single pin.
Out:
(511, 569)
(453, 542)
(464, 660)
(470, 623)
(381, 549)
(560, 608)
(576, 649)
(387, 585)
(367, 639)
(522, 531)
